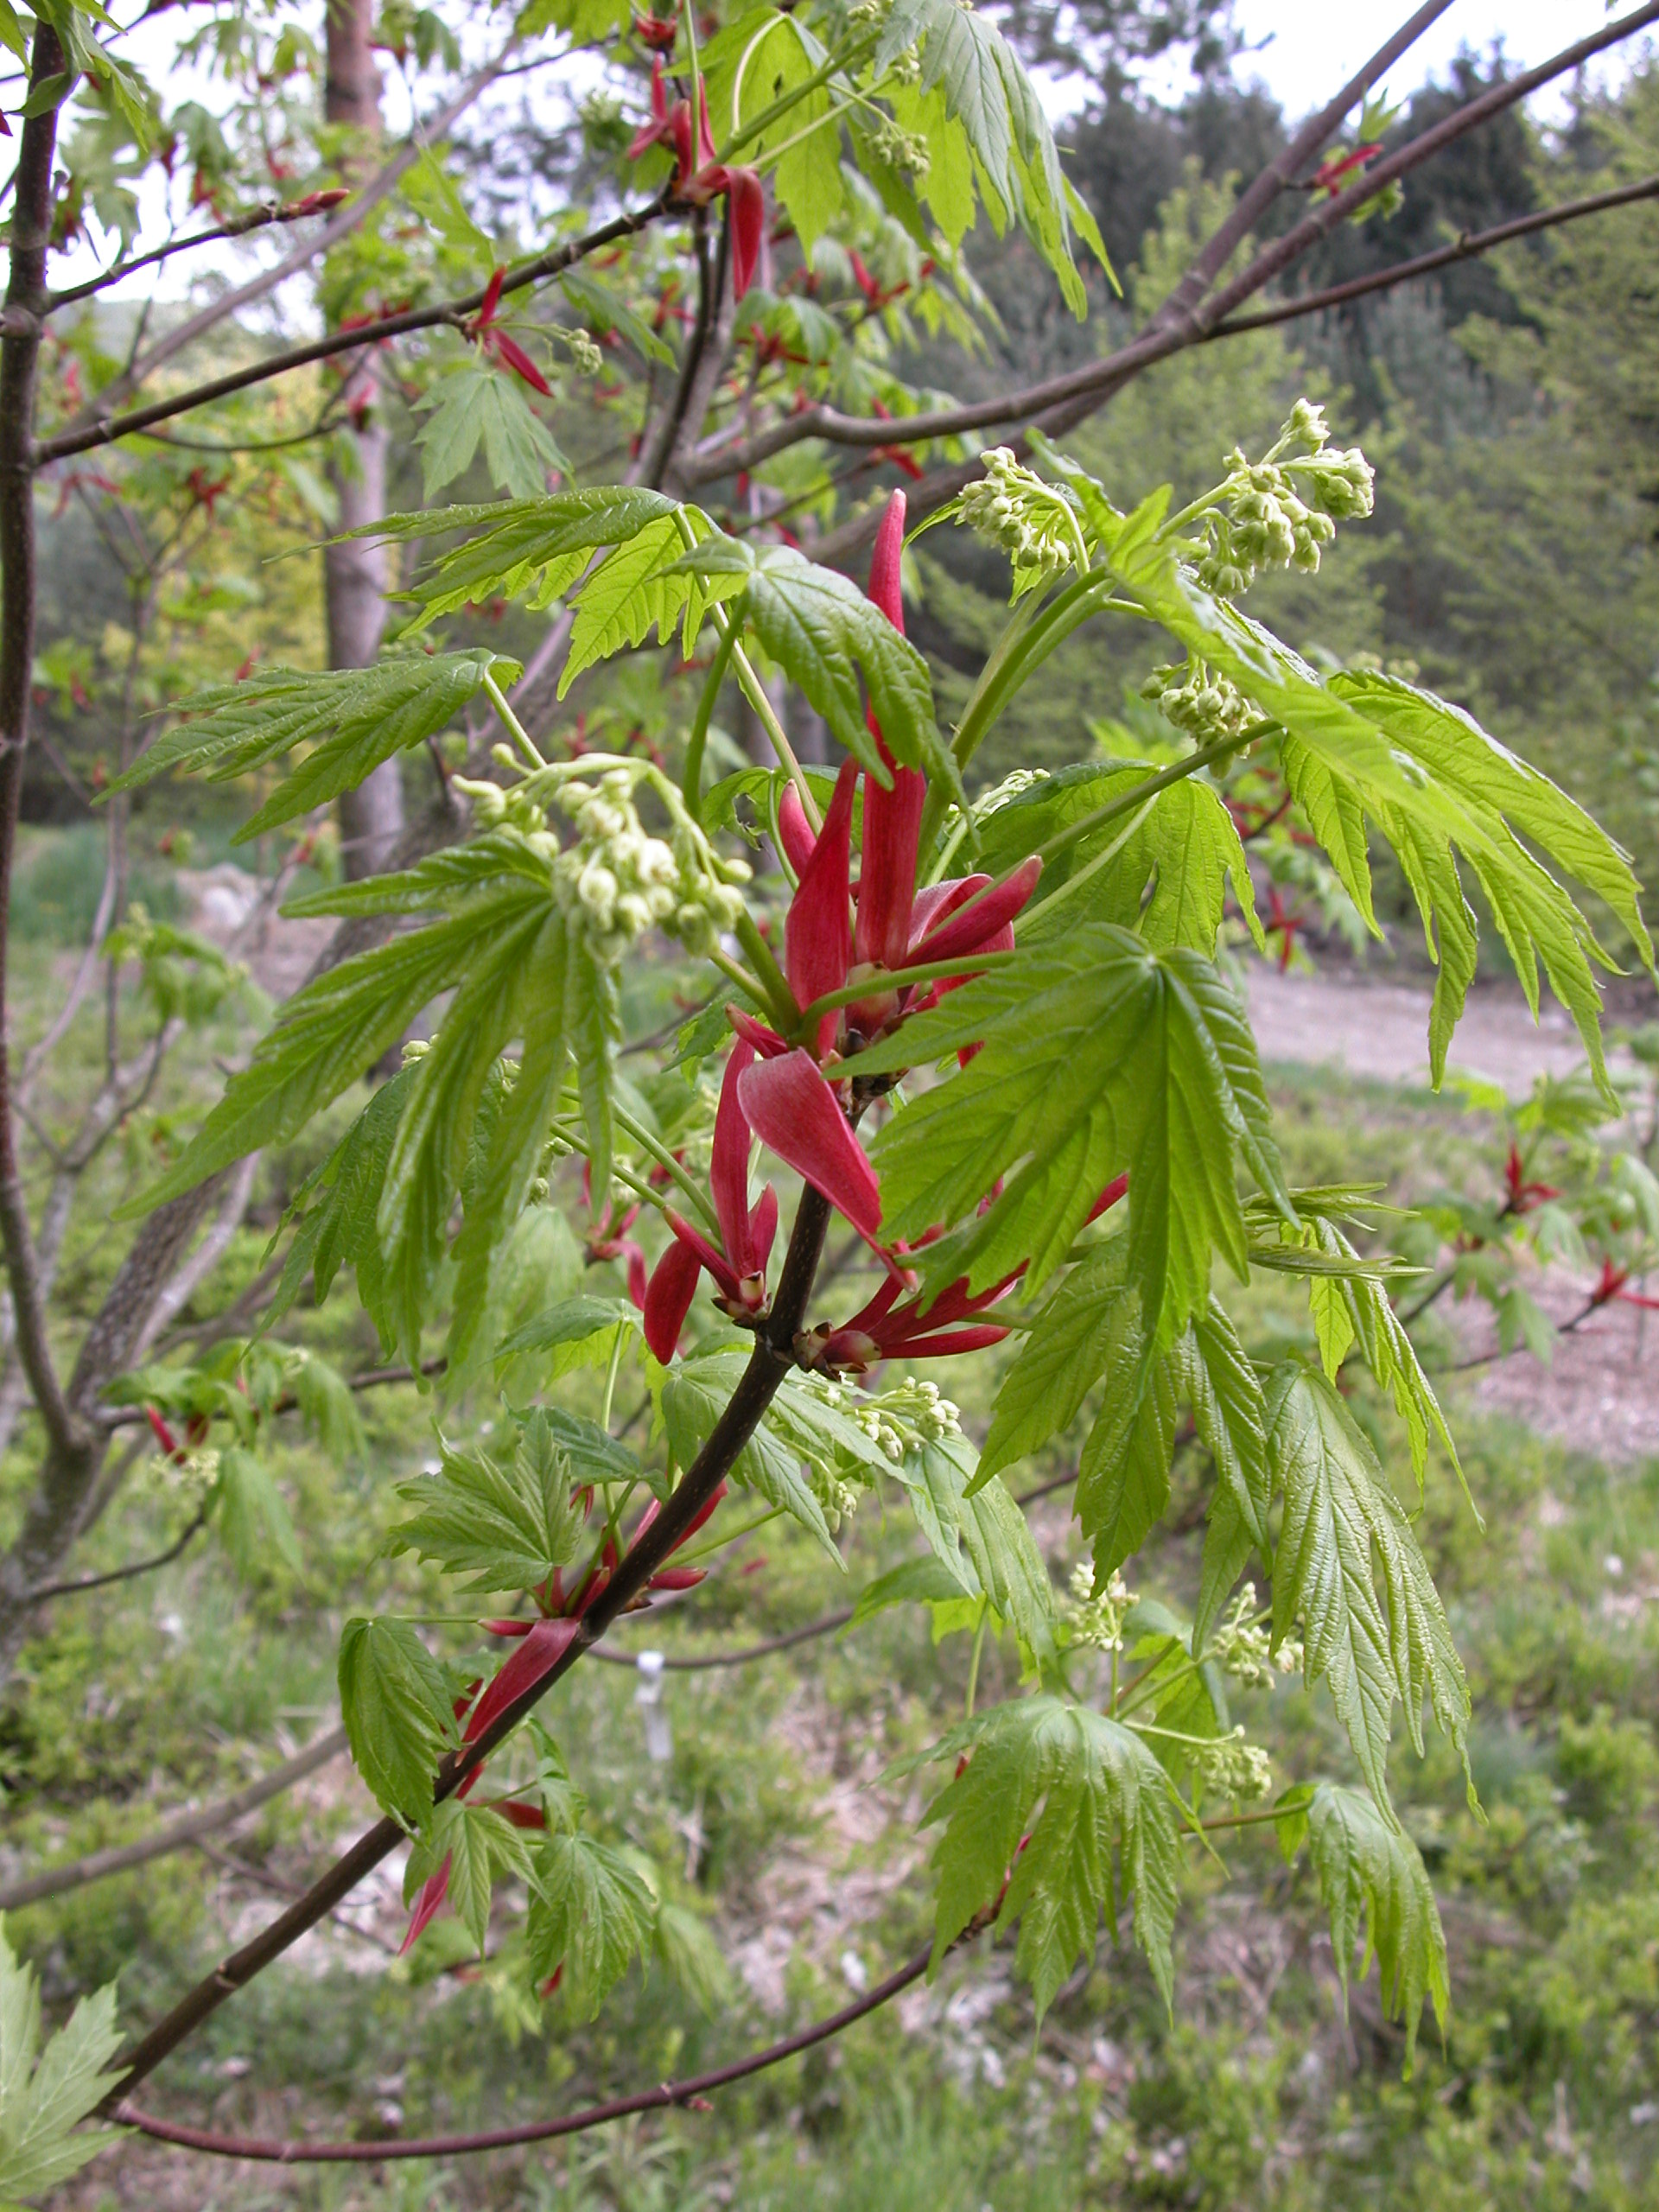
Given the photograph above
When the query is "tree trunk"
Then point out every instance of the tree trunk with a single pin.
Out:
(354, 575)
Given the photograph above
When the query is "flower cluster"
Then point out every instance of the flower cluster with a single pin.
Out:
(1233, 1768)
(1243, 1647)
(1281, 510)
(1012, 506)
(1198, 701)
(1095, 1618)
(900, 149)
(617, 879)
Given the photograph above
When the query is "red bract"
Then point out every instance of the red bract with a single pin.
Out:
(700, 178)
(1613, 1283)
(791, 1108)
(886, 1330)
(747, 1233)
(656, 32)
(1524, 1196)
(540, 1649)
(494, 340)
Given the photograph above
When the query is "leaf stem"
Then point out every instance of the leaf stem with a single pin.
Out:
(696, 745)
(973, 1663)
(883, 979)
(740, 974)
(719, 1543)
(511, 722)
(786, 1007)
(666, 1161)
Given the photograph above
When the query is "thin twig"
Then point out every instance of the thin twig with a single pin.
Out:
(198, 1521)
(298, 2151)
(175, 1834)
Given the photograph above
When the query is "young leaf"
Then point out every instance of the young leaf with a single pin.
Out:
(45, 2094)
(398, 1709)
(824, 632)
(578, 1331)
(590, 1912)
(477, 402)
(1169, 877)
(352, 718)
(435, 1130)
(979, 1534)
(692, 1958)
(252, 1521)
(1102, 1795)
(694, 1394)
(336, 1209)
(336, 1027)
(1338, 1512)
(528, 549)
(495, 1196)
(1372, 1879)
(509, 1527)
(477, 1845)
(1076, 1339)
(1097, 1057)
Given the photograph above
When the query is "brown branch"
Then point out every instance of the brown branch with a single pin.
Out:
(700, 1662)
(373, 333)
(239, 226)
(19, 360)
(176, 1834)
(771, 1360)
(1463, 248)
(664, 2097)
(1060, 403)
(128, 1574)
(347, 220)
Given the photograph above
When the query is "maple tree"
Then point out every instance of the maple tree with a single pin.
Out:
(988, 1029)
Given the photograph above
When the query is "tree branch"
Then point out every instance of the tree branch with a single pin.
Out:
(128, 1574)
(1060, 403)
(19, 360)
(1463, 248)
(771, 1360)
(373, 333)
(349, 219)
(664, 2097)
(239, 226)
(175, 1834)
(703, 1662)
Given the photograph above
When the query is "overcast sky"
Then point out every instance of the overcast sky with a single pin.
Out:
(1313, 45)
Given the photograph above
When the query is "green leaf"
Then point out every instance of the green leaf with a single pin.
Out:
(252, 1521)
(1123, 1474)
(336, 1209)
(494, 1003)
(590, 1912)
(45, 2094)
(927, 1582)
(1103, 1796)
(778, 53)
(978, 1532)
(1377, 1893)
(352, 718)
(578, 1331)
(823, 633)
(496, 1196)
(987, 93)
(694, 1394)
(478, 402)
(508, 1527)
(1169, 877)
(607, 310)
(330, 1033)
(398, 1709)
(527, 549)
(479, 1845)
(434, 194)
(644, 581)
(1076, 1338)
(1229, 1412)
(1097, 1057)
(1356, 1308)
(692, 1958)
(1339, 1513)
